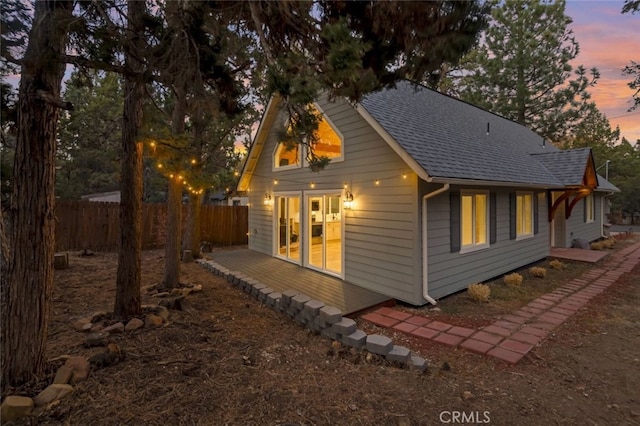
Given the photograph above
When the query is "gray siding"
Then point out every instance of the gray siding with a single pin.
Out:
(576, 226)
(451, 272)
(382, 247)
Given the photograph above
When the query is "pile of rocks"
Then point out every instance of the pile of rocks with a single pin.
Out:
(327, 321)
(100, 331)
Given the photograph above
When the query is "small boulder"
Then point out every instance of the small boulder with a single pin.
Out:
(80, 368)
(114, 328)
(96, 339)
(196, 288)
(134, 324)
(82, 324)
(52, 393)
(96, 327)
(63, 375)
(15, 407)
(152, 321)
(173, 303)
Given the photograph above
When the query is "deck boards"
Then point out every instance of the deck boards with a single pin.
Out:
(281, 275)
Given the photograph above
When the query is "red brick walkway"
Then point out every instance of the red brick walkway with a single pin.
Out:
(514, 335)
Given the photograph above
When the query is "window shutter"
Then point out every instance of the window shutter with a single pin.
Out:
(512, 215)
(454, 220)
(493, 222)
(584, 209)
(535, 213)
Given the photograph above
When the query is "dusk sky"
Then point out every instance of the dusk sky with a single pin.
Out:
(608, 41)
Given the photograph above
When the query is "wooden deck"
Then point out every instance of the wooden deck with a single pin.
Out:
(581, 255)
(281, 275)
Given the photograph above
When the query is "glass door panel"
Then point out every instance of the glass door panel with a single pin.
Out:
(316, 224)
(325, 232)
(288, 227)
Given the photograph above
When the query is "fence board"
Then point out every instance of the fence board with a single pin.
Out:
(95, 225)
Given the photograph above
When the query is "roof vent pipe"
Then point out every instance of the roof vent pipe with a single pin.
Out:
(544, 143)
(488, 128)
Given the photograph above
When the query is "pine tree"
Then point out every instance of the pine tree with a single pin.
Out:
(521, 69)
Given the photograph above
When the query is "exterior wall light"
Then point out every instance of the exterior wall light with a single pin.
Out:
(267, 199)
(348, 200)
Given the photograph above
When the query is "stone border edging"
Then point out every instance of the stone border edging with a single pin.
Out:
(317, 317)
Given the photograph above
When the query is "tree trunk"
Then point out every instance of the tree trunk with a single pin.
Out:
(26, 290)
(127, 302)
(174, 231)
(191, 239)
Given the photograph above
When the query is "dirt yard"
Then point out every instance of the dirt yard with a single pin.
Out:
(229, 360)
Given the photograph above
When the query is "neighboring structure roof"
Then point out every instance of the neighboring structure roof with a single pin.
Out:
(605, 185)
(453, 139)
(568, 166)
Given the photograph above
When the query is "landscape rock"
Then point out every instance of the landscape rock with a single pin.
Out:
(82, 323)
(52, 393)
(114, 328)
(96, 339)
(134, 324)
(96, 327)
(196, 288)
(152, 321)
(15, 407)
(158, 310)
(80, 368)
(112, 355)
(63, 375)
(173, 303)
(98, 315)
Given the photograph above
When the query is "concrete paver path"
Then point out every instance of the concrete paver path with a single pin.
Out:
(511, 337)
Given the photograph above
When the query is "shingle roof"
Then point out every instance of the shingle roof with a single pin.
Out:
(449, 139)
(605, 185)
(568, 166)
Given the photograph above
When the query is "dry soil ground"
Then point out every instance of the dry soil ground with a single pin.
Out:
(229, 360)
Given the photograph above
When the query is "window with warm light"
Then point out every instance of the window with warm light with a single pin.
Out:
(328, 142)
(286, 156)
(524, 214)
(589, 209)
(474, 220)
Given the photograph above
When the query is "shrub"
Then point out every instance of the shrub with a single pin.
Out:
(609, 242)
(513, 280)
(598, 245)
(538, 271)
(556, 265)
(479, 292)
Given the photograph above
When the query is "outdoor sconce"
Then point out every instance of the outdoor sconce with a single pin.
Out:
(348, 200)
(267, 199)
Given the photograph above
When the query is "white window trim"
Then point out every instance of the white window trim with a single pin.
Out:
(335, 129)
(591, 211)
(475, 247)
(521, 236)
(276, 168)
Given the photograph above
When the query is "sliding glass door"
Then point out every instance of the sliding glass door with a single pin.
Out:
(288, 227)
(324, 233)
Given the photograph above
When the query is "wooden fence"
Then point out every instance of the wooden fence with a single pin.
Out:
(96, 226)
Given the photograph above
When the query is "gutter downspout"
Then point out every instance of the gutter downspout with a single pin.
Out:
(604, 198)
(425, 261)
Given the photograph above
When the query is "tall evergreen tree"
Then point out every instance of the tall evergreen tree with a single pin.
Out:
(89, 136)
(28, 284)
(521, 68)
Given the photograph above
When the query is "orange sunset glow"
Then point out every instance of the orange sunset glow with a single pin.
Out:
(608, 41)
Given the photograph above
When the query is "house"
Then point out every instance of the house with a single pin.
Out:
(424, 194)
(103, 197)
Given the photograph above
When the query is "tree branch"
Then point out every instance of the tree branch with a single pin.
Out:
(53, 100)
